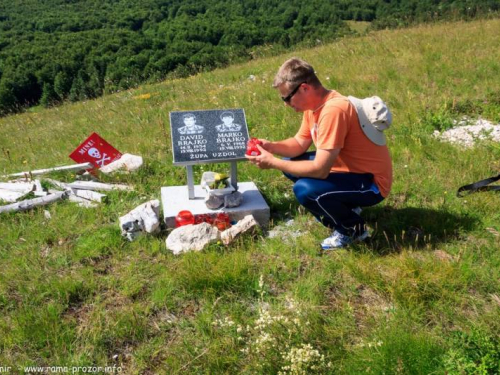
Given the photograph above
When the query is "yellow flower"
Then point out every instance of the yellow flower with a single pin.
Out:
(143, 96)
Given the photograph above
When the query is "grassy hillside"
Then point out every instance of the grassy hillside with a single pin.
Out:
(423, 296)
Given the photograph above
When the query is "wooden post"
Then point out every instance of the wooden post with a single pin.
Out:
(32, 203)
(75, 167)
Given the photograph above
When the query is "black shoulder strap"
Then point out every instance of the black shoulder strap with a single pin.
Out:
(479, 186)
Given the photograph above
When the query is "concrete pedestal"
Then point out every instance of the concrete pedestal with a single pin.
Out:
(176, 198)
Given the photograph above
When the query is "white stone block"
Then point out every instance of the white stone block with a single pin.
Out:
(127, 162)
(176, 198)
(143, 218)
(192, 238)
(242, 226)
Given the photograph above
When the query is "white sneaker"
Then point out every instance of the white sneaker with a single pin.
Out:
(338, 240)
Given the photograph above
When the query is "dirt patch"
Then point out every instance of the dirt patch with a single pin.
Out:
(367, 305)
(444, 256)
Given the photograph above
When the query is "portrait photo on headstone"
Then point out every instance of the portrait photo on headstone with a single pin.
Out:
(228, 124)
(190, 126)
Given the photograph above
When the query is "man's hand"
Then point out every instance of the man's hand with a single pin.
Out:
(263, 161)
(266, 145)
(318, 168)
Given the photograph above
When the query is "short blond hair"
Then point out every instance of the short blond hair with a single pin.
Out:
(295, 71)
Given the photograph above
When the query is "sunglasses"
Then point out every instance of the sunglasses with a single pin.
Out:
(289, 97)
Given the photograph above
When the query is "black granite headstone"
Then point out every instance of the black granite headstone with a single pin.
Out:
(208, 136)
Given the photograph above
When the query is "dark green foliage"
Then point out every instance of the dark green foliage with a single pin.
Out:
(55, 50)
(48, 95)
(474, 352)
(406, 12)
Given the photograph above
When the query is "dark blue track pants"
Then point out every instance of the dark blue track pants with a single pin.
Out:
(331, 200)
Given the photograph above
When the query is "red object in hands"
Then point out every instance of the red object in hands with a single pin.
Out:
(184, 218)
(252, 149)
(222, 221)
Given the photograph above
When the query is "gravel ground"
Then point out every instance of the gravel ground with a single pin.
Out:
(468, 132)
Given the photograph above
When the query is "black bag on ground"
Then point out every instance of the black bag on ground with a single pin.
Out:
(479, 186)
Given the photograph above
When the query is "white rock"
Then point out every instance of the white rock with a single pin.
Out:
(285, 235)
(468, 132)
(244, 225)
(143, 218)
(192, 237)
(285, 231)
(128, 162)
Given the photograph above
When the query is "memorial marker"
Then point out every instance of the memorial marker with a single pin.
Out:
(211, 136)
(203, 137)
(208, 136)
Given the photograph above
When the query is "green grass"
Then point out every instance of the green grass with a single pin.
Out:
(422, 296)
(360, 27)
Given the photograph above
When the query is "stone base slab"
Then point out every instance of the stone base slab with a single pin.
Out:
(176, 198)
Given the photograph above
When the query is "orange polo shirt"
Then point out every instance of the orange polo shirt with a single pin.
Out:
(336, 125)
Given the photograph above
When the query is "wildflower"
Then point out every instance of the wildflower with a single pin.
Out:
(143, 96)
(301, 360)
(261, 284)
(290, 304)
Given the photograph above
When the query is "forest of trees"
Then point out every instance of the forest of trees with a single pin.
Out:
(57, 50)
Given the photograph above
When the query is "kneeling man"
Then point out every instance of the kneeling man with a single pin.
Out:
(351, 167)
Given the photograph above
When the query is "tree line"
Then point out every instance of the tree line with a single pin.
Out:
(57, 50)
